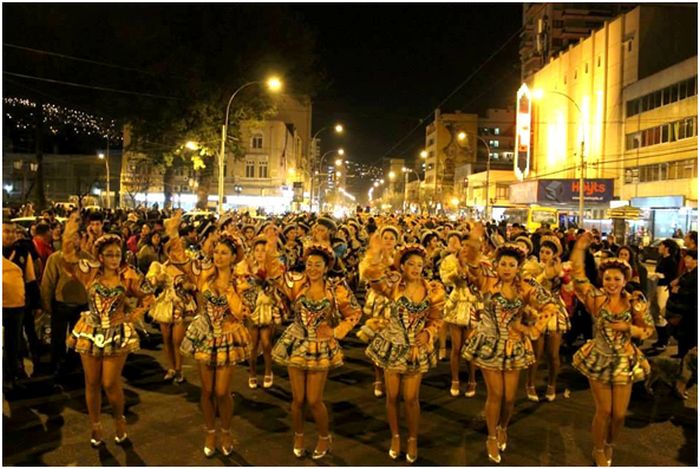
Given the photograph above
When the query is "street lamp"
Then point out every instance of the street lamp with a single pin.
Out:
(488, 175)
(339, 151)
(406, 172)
(273, 84)
(424, 154)
(538, 94)
(339, 162)
(339, 129)
(462, 136)
(102, 157)
(392, 175)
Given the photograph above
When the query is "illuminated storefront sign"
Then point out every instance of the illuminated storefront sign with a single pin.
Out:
(561, 191)
(523, 117)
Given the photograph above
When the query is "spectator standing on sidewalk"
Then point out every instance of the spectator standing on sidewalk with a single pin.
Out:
(63, 297)
(18, 279)
(666, 272)
(682, 305)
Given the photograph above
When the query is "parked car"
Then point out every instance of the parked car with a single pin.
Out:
(650, 253)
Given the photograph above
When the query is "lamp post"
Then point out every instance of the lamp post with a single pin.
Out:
(488, 175)
(106, 158)
(273, 84)
(337, 128)
(539, 94)
(340, 152)
(406, 172)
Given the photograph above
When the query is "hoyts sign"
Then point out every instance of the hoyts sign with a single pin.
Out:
(567, 190)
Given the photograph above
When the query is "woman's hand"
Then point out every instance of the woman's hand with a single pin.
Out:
(342, 330)
(584, 241)
(477, 231)
(172, 225)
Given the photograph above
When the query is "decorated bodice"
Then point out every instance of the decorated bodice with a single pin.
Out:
(217, 309)
(607, 339)
(310, 314)
(411, 317)
(500, 313)
(106, 304)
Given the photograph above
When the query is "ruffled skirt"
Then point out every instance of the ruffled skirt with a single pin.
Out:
(226, 348)
(294, 350)
(401, 358)
(460, 309)
(611, 368)
(99, 341)
(493, 352)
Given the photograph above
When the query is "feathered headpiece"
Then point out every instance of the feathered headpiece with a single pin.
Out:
(615, 263)
(321, 250)
(407, 250)
(106, 239)
(511, 250)
(234, 243)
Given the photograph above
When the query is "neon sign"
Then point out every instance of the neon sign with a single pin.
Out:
(523, 108)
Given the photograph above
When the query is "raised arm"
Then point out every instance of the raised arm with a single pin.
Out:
(436, 296)
(591, 297)
(349, 309)
(543, 303)
(83, 270)
(374, 267)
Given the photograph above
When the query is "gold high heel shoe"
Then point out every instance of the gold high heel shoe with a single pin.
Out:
(395, 454)
(532, 394)
(493, 453)
(502, 437)
(227, 450)
(96, 436)
(551, 393)
(299, 452)
(209, 452)
(599, 458)
(411, 459)
(120, 422)
(378, 389)
(454, 389)
(609, 452)
(319, 454)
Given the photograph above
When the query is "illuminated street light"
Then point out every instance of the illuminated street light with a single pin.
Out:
(455, 201)
(339, 128)
(376, 183)
(338, 174)
(102, 157)
(274, 84)
(341, 152)
(538, 94)
(392, 175)
(191, 145)
(461, 136)
(339, 162)
(424, 154)
(381, 181)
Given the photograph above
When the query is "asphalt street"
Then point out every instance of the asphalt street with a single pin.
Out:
(48, 425)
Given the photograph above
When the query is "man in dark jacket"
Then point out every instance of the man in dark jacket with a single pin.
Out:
(682, 305)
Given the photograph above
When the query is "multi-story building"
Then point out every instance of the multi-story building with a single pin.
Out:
(660, 156)
(458, 145)
(577, 110)
(549, 28)
(448, 146)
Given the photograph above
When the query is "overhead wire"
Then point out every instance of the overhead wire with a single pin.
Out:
(455, 91)
(82, 85)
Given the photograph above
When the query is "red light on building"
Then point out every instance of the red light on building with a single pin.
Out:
(523, 116)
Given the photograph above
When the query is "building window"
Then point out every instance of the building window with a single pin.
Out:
(682, 169)
(586, 67)
(262, 170)
(599, 61)
(257, 141)
(250, 169)
(670, 94)
(629, 46)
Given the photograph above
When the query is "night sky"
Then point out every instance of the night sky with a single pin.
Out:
(389, 65)
(386, 66)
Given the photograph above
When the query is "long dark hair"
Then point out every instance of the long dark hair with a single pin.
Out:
(673, 249)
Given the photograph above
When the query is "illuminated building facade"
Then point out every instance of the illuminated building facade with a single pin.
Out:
(578, 102)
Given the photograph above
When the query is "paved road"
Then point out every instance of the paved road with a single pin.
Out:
(48, 426)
